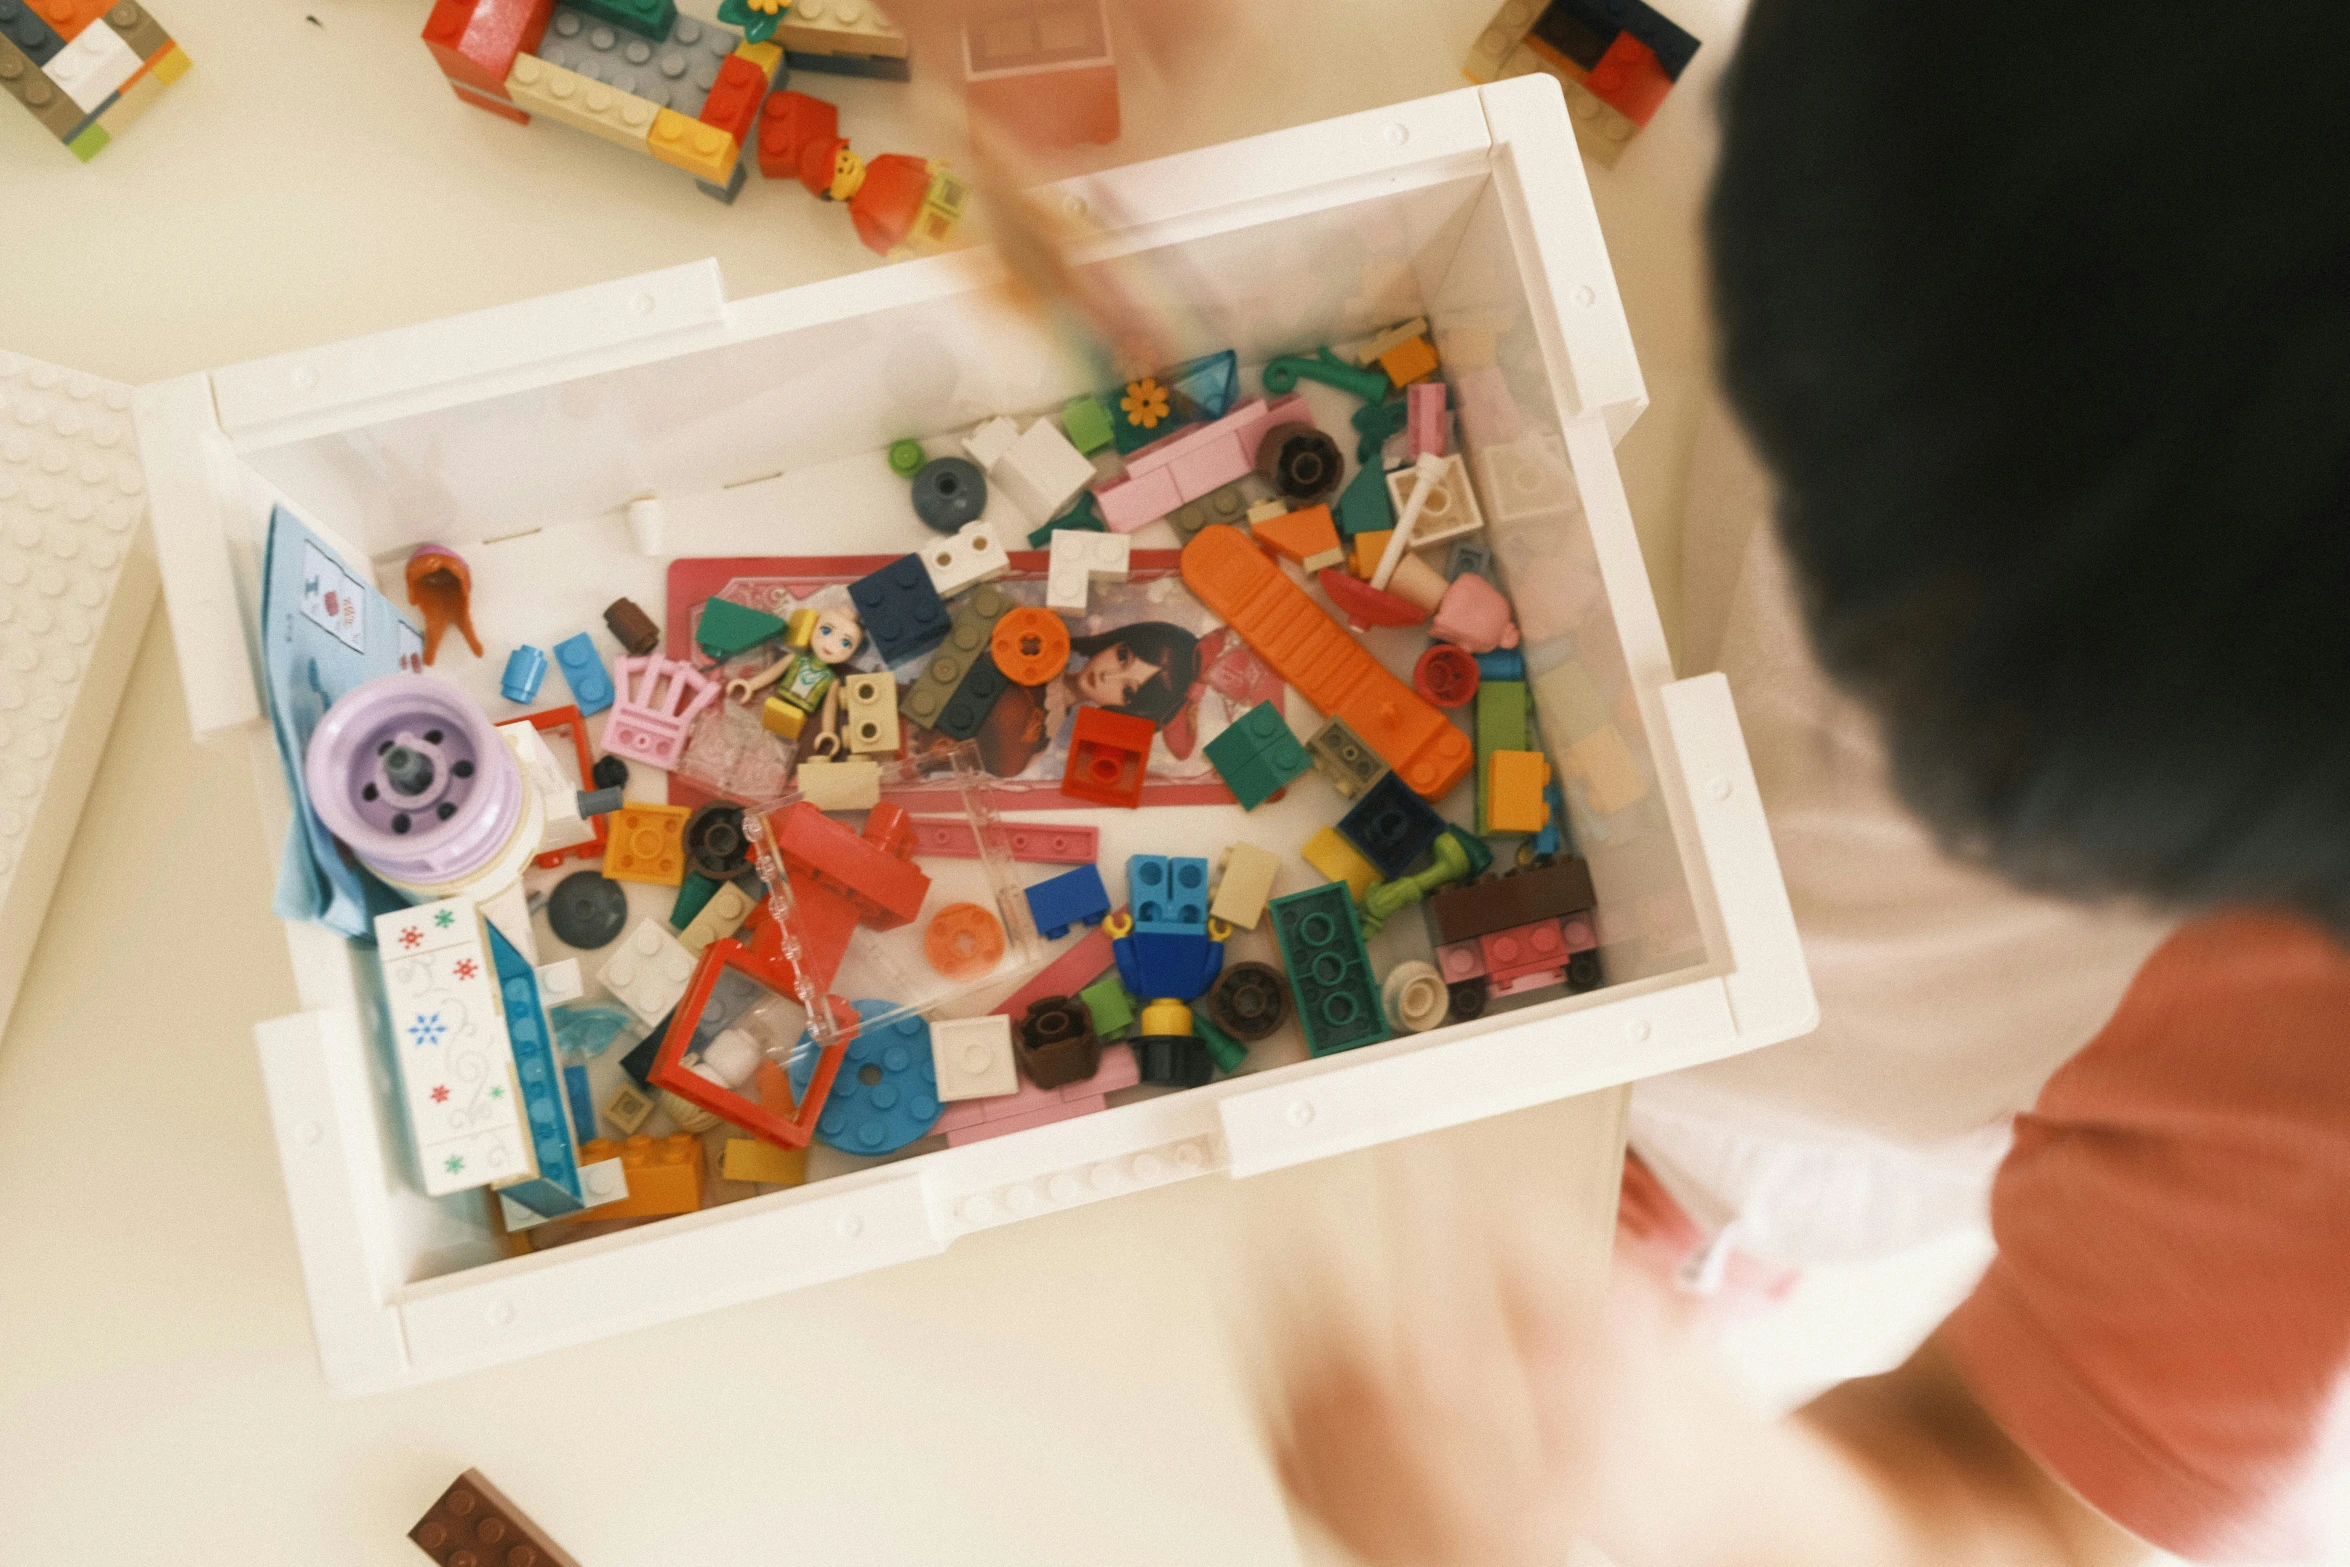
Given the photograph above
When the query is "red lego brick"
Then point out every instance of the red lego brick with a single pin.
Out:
(476, 41)
(474, 1524)
(774, 1116)
(1109, 754)
(733, 104)
(882, 886)
(790, 124)
(1629, 79)
(498, 106)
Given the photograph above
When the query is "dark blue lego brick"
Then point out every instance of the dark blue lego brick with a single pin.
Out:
(900, 610)
(880, 67)
(22, 27)
(1165, 965)
(982, 687)
(1075, 897)
(1391, 825)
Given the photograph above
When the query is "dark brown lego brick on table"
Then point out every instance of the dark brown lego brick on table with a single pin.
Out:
(1502, 902)
(473, 1525)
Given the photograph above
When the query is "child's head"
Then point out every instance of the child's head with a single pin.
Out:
(1145, 669)
(2041, 315)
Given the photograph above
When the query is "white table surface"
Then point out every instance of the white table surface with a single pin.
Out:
(1070, 1389)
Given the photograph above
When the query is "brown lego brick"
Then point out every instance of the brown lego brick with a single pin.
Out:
(29, 85)
(1520, 898)
(472, 1525)
(139, 29)
(631, 627)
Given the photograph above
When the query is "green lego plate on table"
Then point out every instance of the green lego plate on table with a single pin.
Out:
(1329, 969)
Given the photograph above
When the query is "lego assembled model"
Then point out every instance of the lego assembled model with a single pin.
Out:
(1616, 60)
(86, 69)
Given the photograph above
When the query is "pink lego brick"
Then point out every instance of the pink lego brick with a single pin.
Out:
(1043, 1115)
(1030, 1105)
(1523, 950)
(1460, 960)
(655, 702)
(1580, 936)
(1191, 462)
(1425, 407)
(1067, 974)
(952, 838)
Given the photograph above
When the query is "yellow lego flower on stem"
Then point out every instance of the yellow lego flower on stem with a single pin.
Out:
(1145, 403)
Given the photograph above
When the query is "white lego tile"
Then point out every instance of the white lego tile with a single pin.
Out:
(560, 983)
(648, 971)
(967, 559)
(972, 1057)
(93, 65)
(1079, 560)
(456, 1063)
(1041, 473)
(1451, 510)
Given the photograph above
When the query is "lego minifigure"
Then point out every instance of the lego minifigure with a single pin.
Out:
(805, 678)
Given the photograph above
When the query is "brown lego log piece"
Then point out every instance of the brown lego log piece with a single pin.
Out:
(1501, 902)
(473, 1525)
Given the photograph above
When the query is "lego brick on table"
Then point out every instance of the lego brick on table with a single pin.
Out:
(974, 1119)
(570, 99)
(631, 627)
(1191, 462)
(1227, 504)
(983, 685)
(704, 151)
(473, 1525)
(67, 18)
(583, 671)
(1328, 666)
(1257, 756)
(93, 66)
(1391, 825)
(648, 972)
(674, 73)
(647, 18)
(1075, 897)
(477, 41)
(972, 1057)
(869, 724)
(717, 919)
(1167, 891)
(839, 27)
(1036, 469)
(456, 1063)
(1112, 1010)
(1551, 891)
(763, 1164)
(1427, 414)
(138, 28)
(964, 559)
(1501, 726)
(1243, 885)
(952, 837)
(901, 611)
(1079, 560)
(1451, 510)
(813, 847)
(666, 1175)
(1340, 755)
(1087, 424)
(1329, 970)
(1109, 757)
(560, 982)
(733, 102)
(22, 28)
(1329, 853)
(555, 1187)
(656, 702)
(1514, 786)
(24, 82)
(1085, 961)
(840, 786)
(646, 843)
(963, 648)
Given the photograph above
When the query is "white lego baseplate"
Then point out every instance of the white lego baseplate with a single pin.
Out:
(77, 579)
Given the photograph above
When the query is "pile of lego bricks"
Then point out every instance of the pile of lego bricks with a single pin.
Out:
(85, 68)
(1615, 59)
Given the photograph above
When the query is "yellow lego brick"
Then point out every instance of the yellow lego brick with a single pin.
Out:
(1339, 860)
(1514, 783)
(1368, 547)
(170, 65)
(581, 102)
(782, 718)
(646, 843)
(839, 27)
(768, 57)
(704, 151)
(1611, 776)
(764, 1164)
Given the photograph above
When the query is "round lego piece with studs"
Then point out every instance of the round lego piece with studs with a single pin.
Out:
(963, 942)
(886, 1094)
(1030, 645)
(410, 775)
(1414, 997)
(587, 911)
(949, 494)
(1446, 675)
(1302, 462)
(906, 458)
(1055, 1043)
(1249, 1001)
(715, 845)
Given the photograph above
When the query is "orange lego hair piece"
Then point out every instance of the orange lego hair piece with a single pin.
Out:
(1314, 653)
(1308, 537)
(1030, 645)
(440, 585)
(964, 942)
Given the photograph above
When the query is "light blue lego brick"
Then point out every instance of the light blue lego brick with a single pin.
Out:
(584, 672)
(579, 1095)
(557, 1189)
(677, 73)
(1167, 893)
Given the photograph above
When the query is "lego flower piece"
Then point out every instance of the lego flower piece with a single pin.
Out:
(1145, 402)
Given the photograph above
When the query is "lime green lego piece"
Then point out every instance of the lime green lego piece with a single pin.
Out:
(1112, 1008)
(1088, 424)
(906, 458)
(90, 143)
(1501, 726)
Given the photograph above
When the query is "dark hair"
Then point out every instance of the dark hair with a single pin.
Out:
(2041, 315)
(1174, 650)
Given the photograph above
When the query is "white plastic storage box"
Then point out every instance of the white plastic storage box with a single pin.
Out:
(518, 436)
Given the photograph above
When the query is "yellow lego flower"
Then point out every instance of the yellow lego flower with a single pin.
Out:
(1145, 403)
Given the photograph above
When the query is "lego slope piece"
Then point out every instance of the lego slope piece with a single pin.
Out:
(1329, 969)
(1330, 668)
(449, 1038)
(474, 1524)
(77, 579)
(476, 43)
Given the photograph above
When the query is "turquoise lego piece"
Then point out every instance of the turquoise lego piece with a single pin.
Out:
(1084, 517)
(646, 18)
(886, 1095)
(693, 895)
(556, 1189)
(1257, 756)
(1196, 391)
(1329, 968)
(1364, 506)
(1231, 1055)
(1369, 383)
(1167, 893)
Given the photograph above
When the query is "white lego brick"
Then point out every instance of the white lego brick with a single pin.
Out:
(449, 1036)
(1042, 473)
(77, 579)
(1079, 560)
(560, 983)
(1245, 885)
(841, 786)
(648, 972)
(721, 917)
(1451, 509)
(967, 559)
(558, 793)
(93, 65)
(987, 444)
(972, 1057)
(509, 910)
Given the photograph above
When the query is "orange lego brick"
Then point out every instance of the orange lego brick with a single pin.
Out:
(1368, 547)
(1314, 653)
(1514, 783)
(68, 17)
(704, 151)
(1414, 359)
(665, 1176)
(647, 844)
(1308, 537)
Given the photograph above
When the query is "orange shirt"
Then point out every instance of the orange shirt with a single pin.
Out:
(2167, 1324)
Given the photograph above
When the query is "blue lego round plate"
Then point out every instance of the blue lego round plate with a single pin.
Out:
(886, 1094)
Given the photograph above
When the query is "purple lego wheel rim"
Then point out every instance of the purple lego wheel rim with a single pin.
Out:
(414, 780)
